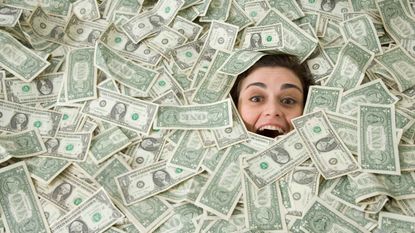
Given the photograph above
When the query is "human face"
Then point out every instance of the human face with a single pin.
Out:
(269, 98)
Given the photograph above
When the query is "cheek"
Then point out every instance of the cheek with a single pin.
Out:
(293, 113)
(249, 116)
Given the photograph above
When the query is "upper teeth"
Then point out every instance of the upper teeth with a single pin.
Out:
(271, 127)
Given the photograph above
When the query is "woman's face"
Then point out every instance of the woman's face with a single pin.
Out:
(269, 98)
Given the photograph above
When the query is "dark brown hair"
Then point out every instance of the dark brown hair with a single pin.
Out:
(277, 60)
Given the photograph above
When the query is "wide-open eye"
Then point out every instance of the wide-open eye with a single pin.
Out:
(256, 98)
(288, 101)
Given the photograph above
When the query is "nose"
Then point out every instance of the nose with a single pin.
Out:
(273, 109)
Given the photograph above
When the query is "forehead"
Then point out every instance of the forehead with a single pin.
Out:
(272, 76)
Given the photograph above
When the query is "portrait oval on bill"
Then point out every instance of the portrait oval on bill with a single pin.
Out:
(44, 86)
(161, 178)
(118, 111)
(52, 144)
(156, 20)
(303, 176)
(326, 144)
(62, 192)
(279, 155)
(256, 40)
(328, 5)
(150, 144)
(78, 226)
(19, 121)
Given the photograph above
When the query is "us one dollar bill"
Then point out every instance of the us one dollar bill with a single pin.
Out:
(337, 221)
(142, 183)
(122, 70)
(117, 40)
(165, 40)
(9, 16)
(400, 65)
(189, 152)
(86, 10)
(44, 169)
(180, 219)
(95, 215)
(257, 201)
(216, 85)
(226, 180)
(18, 193)
(406, 157)
(43, 89)
(263, 38)
(320, 64)
(186, 55)
(331, 9)
(232, 135)
(289, 8)
(397, 21)
(206, 116)
(271, 164)
(66, 192)
(351, 64)
(238, 16)
(361, 30)
(146, 214)
(374, 92)
(68, 146)
(332, 158)
(256, 9)
(218, 12)
(60, 7)
(71, 118)
(17, 118)
(221, 36)
(81, 75)
(187, 190)
(378, 146)
(123, 111)
(240, 61)
(52, 213)
(82, 33)
(368, 185)
(187, 28)
(146, 151)
(147, 23)
(295, 40)
(21, 145)
(302, 187)
(346, 128)
(19, 60)
(391, 221)
(323, 98)
(108, 143)
(46, 26)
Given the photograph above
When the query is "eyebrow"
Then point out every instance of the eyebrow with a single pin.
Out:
(258, 84)
(289, 85)
(283, 86)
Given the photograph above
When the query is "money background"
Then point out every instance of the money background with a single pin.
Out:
(115, 116)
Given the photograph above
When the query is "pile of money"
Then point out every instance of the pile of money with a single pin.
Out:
(115, 116)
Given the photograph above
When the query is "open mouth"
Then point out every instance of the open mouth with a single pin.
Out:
(270, 131)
